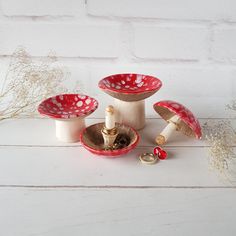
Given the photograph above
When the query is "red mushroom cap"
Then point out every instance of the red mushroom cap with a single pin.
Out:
(68, 106)
(130, 87)
(189, 124)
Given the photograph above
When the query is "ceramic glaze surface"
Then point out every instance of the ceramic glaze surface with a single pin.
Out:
(161, 153)
(130, 83)
(184, 113)
(91, 138)
(68, 106)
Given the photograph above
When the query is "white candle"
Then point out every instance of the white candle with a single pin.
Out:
(110, 118)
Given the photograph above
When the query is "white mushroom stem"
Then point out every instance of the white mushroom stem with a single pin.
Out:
(168, 130)
(109, 131)
(130, 113)
(69, 130)
(110, 118)
(109, 137)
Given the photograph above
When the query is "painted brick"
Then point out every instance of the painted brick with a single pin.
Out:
(66, 39)
(170, 42)
(42, 7)
(223, 48)
(165, 9)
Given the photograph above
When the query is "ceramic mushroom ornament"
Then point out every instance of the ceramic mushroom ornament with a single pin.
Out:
(178, 118)
(130, 91)
(92, 139)
(68, 111)
(109, 131)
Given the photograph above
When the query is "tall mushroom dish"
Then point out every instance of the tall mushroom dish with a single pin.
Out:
(130, 92)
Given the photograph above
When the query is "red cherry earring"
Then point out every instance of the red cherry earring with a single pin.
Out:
(161, 153)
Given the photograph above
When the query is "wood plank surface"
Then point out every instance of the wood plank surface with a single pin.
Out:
(41, 132)
(30, 155)
(69, 166)
(60, 212)
(49, 188)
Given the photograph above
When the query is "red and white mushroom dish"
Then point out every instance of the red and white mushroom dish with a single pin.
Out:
(179, 118)
(69, 111)
(130, 91)
(91, 138)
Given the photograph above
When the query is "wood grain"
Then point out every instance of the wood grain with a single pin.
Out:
(53, 212)
(75, 166)
(41, 132)
(49, 188)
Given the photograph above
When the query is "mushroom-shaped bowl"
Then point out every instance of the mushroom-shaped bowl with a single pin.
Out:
(129, 91)
(92, 139)
(68, 111)
(179, 118)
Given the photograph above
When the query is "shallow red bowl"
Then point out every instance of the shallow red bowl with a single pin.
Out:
(130, 87)
(91, 138)
(68, 106)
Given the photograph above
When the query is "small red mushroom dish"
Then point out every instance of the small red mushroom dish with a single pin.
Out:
(91, 138)
(179, 118)
(130, 91)
(68, 111)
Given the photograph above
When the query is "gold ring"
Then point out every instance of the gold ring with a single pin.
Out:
(148, 158)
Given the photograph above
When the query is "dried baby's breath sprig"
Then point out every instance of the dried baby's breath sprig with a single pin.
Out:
(232, 106)
(221, 138)
(27, 83)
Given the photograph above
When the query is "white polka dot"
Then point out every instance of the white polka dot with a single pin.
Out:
(88, 101)
(79, 104)
(175, 105)
(82, 96)
(54, 101)
(140, 84)
(138, 79)
(65, 116)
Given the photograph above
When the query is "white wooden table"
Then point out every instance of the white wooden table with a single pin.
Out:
(50, 188)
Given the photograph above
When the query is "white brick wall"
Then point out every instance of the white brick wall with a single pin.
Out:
(42, 7)
(165, 9)
(188, 44)
(224, 44)
(67, 39)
